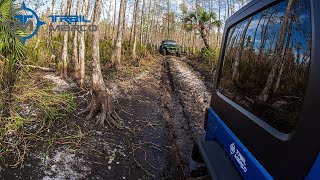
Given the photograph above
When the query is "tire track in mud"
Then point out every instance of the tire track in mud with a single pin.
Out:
(178, 140)
(189, 85)
(181, 121)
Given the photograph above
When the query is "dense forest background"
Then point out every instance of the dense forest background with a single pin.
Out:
(128, 32)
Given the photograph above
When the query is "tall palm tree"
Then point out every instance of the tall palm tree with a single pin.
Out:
(202, 21)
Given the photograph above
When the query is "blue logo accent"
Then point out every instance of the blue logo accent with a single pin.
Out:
(24, 19)
(244, 161)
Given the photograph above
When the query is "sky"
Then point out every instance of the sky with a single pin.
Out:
(301, 31)
(43, 5)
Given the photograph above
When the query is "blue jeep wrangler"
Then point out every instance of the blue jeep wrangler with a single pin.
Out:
(263, 119)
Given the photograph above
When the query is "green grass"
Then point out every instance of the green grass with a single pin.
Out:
(47, 109)
(209, 57)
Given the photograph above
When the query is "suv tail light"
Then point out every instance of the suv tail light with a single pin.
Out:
(205, 118)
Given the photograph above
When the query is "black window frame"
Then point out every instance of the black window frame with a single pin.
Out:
(263, 123)
(284, 156)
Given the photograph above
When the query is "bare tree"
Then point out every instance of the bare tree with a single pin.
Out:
(75, 55)
(148, 23)
(64, 56)
(194, 42)
(168, 19)
(286, 56)
(142, 22)
(264, 36)
(82, 48)
(100, 95)
(134, 26)
(114, 18)
(107, 20)
(219, 18)
(235, 72)
(228, 8)
(88, 7)
(49, 40)
(256, 30)
(116, 57)
(124, 19)
(264, 96)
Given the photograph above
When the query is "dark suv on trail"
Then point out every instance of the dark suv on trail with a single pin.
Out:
(263, 121)
(169, 47)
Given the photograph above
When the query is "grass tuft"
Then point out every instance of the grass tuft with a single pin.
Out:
(39, 117)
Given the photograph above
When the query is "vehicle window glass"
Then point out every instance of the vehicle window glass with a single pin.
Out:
(170, 43)
(266, 63)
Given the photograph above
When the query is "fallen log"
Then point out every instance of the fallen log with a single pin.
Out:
(41, 68)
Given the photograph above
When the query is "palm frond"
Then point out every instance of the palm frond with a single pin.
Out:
(10, 45)
(217, 23)
(5, 9)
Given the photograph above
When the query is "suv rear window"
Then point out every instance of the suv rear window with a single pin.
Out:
(266, 63)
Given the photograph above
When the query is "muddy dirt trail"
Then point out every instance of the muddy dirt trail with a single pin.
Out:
(162, 111)
(185, 98)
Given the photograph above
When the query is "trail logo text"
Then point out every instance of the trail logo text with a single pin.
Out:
(24, 23)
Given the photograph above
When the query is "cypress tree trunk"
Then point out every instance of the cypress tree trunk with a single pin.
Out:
(134, 24)
(264, 39)
(235, 71)
(142, 23)
(75, 55)
(285, 57)
(116, 57)
(64, 56)
(100, 96)
(82, 48)
(114, 18)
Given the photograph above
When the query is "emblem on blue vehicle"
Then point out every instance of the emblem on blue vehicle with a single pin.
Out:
(238, 156)
(232, 148)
